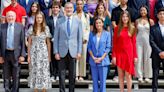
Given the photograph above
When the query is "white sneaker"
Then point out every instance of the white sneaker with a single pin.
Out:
(57, 78)
(52, 78)
(147, 80)
(140, 80)
(115, 78)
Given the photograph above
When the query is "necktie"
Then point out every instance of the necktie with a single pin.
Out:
(68, 26)
(10, 37)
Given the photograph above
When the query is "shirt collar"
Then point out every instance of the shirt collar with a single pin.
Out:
(69, 17)
(56, 16)
(160, 24)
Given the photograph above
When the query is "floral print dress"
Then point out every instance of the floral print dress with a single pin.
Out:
(39, 76)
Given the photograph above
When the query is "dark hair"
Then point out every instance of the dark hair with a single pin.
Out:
(55, 3)
(80, 0)
(96, 12)
(38, 8)
(148, 15)
(160, 9)
(94, 24)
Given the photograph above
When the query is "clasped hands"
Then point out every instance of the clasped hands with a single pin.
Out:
(97, 60)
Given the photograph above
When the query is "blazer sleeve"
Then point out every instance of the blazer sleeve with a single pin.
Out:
(89, 42)
(80, 37)
(152, 42)
(56, 38)
(23, 53)
(108, 43)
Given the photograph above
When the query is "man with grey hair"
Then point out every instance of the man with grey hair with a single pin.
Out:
(12, 51)
(68, 46)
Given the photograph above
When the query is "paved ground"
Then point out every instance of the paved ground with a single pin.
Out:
(85, 90)
(80, 90)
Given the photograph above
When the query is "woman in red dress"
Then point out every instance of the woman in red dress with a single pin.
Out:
(124, 50)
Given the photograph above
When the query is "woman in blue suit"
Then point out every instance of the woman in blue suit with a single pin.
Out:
(99, 46)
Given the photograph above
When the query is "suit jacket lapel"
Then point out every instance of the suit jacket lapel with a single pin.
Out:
(101, 39)
(5, 34)
(65, 26)
(94, 40)
(15, 32)
(160, 33)
(73, 22)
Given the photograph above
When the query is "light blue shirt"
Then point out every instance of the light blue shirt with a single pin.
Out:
(10, 36)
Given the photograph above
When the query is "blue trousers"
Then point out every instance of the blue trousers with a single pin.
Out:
(99, 73)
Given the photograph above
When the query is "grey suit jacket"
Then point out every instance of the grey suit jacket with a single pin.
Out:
(64, 43)
(19, 40)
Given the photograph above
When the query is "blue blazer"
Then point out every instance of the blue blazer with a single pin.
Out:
(26, 6)
(104, 47)
(44, 8)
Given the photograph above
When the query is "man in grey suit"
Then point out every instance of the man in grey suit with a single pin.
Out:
(68, 46)
(12, 51)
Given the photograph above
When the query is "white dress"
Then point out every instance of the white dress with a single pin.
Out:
(39, 76)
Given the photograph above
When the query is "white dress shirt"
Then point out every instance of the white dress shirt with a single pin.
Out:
(162, 29)
(46, 2)
(55, 19)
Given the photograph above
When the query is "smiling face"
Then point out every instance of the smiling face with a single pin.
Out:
(39, 18)
(13, 1)
(125, 18)
(101, 10)
(55, 9)
(34, 8)
(69, 9)
(79, 5)
(143, 11)
(99, 24)
(11, 17)
(124, 2)
(161, 16)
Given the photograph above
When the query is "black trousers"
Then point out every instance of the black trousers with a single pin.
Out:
(11, 69)
(156, 66)
(65, 62)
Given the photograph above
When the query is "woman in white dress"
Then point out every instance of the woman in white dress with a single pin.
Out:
(39, 54)
(143, 66)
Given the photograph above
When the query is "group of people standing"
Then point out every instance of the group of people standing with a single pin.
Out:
(56, 38)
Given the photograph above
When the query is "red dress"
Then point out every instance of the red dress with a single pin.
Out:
(124, 49)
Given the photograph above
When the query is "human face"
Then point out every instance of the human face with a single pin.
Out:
(161, 16)
(34, 8)
(55, 9)
(99, 24)
(39, 18)
(79, 5)
(143, 11)
(69, 9)
(10, 17)
(124, 2)
(125, 19)
(13, 1)
(101, 9)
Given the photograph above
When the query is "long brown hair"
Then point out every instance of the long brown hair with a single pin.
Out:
(94, 25)
(131, 28)
(38, 8)
(96, 12)
(43, 24)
